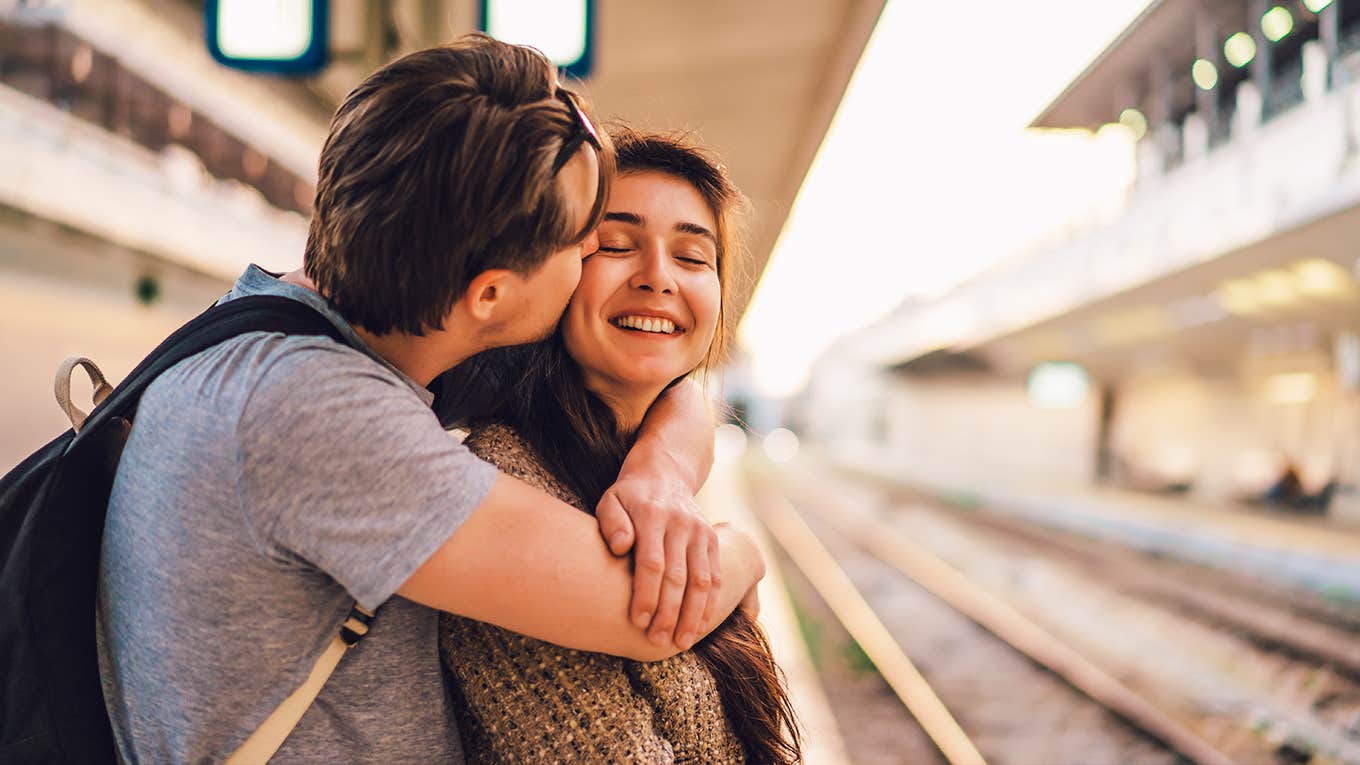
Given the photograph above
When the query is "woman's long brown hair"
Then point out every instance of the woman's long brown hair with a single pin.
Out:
(576, 436)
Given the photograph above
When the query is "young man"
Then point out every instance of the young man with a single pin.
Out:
(270, 482)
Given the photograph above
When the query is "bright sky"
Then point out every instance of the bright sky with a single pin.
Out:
(928, 174)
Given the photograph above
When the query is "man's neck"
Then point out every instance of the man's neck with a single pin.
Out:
(422, 358)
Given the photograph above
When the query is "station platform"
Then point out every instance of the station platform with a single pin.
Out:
(1315, 553)
(724, 499)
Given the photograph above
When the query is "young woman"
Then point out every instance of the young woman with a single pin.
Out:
(648, 311)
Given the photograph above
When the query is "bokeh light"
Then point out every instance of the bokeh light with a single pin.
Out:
(1239, 49)
(781, 445)
(1277, 23)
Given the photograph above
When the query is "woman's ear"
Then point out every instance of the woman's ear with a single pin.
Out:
(487, 292)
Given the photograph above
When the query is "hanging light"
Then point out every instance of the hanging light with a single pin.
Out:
(1239, 49)
(1204, 73)
(1277, 23)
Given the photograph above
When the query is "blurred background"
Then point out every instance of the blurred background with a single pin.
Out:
(1047, 396)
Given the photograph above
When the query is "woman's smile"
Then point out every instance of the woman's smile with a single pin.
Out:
(648, 324)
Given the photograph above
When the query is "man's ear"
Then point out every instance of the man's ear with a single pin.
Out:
(487, 291)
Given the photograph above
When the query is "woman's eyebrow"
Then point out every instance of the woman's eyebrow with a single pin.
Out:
(696, 229)
(626, 217)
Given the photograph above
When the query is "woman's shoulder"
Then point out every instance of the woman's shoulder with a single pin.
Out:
(487, 439)
(505, 447)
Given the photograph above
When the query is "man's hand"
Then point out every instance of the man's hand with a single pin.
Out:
(650, 510)
(676, 565)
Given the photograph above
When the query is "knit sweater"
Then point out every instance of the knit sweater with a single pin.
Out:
(521, 700)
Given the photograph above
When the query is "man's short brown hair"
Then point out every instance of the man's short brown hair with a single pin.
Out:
(438, 167)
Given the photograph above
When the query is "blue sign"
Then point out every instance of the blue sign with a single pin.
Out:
(563, 29)
(280, 36)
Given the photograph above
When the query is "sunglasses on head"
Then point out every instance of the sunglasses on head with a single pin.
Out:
(582, 131)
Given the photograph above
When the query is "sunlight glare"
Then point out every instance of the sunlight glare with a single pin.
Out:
(925, 181)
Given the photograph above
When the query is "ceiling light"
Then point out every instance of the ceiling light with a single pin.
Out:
(1239, 49)
(1239, 297)
(1277, 23)
(1058, 385)
(1321, 277)
(1276, 287)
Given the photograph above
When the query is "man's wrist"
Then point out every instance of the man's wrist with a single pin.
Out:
(656, 463)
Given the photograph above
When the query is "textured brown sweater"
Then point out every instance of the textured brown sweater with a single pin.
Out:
(521, 700)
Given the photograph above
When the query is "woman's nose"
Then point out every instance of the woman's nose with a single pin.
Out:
(654, 271)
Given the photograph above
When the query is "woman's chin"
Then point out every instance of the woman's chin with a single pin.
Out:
(646, 377)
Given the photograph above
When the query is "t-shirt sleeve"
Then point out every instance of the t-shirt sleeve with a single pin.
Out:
(343, 466)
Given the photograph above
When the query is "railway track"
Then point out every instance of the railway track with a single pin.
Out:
(1292, 624)
(1310, 642)
(1298, 654)
(1117, 725)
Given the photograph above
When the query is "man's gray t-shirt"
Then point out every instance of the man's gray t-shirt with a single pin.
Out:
(268, 483)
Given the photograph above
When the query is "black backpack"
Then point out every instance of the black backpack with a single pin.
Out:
(52, 510)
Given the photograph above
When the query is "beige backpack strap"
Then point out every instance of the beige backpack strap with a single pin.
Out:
(62, 388)
(267, 738)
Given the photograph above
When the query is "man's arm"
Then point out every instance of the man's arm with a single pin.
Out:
(534, 565)
(650, 509)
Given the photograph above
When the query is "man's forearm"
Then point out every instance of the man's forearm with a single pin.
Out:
(533, 565)
(650, 511)
(676, 437)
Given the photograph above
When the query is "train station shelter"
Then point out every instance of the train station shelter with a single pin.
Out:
(1205, 331)
(142, 175)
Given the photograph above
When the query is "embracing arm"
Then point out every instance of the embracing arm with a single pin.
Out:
(557, 582)
(650, 510)
(677, 433)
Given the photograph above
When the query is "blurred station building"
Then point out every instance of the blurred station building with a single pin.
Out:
(1199, 339)
(139, 176)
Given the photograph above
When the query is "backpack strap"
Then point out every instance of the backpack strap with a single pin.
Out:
(254, 313)
(266, 740)
(62, 388)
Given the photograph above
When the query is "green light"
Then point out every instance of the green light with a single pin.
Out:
(1204, 73)
(1277, 23)
(1316, 6)
(1239, 50)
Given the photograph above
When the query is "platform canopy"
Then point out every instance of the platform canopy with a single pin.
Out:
(758, 80)
(1121, 76)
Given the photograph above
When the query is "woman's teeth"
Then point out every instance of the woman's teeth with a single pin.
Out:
(646, 324)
